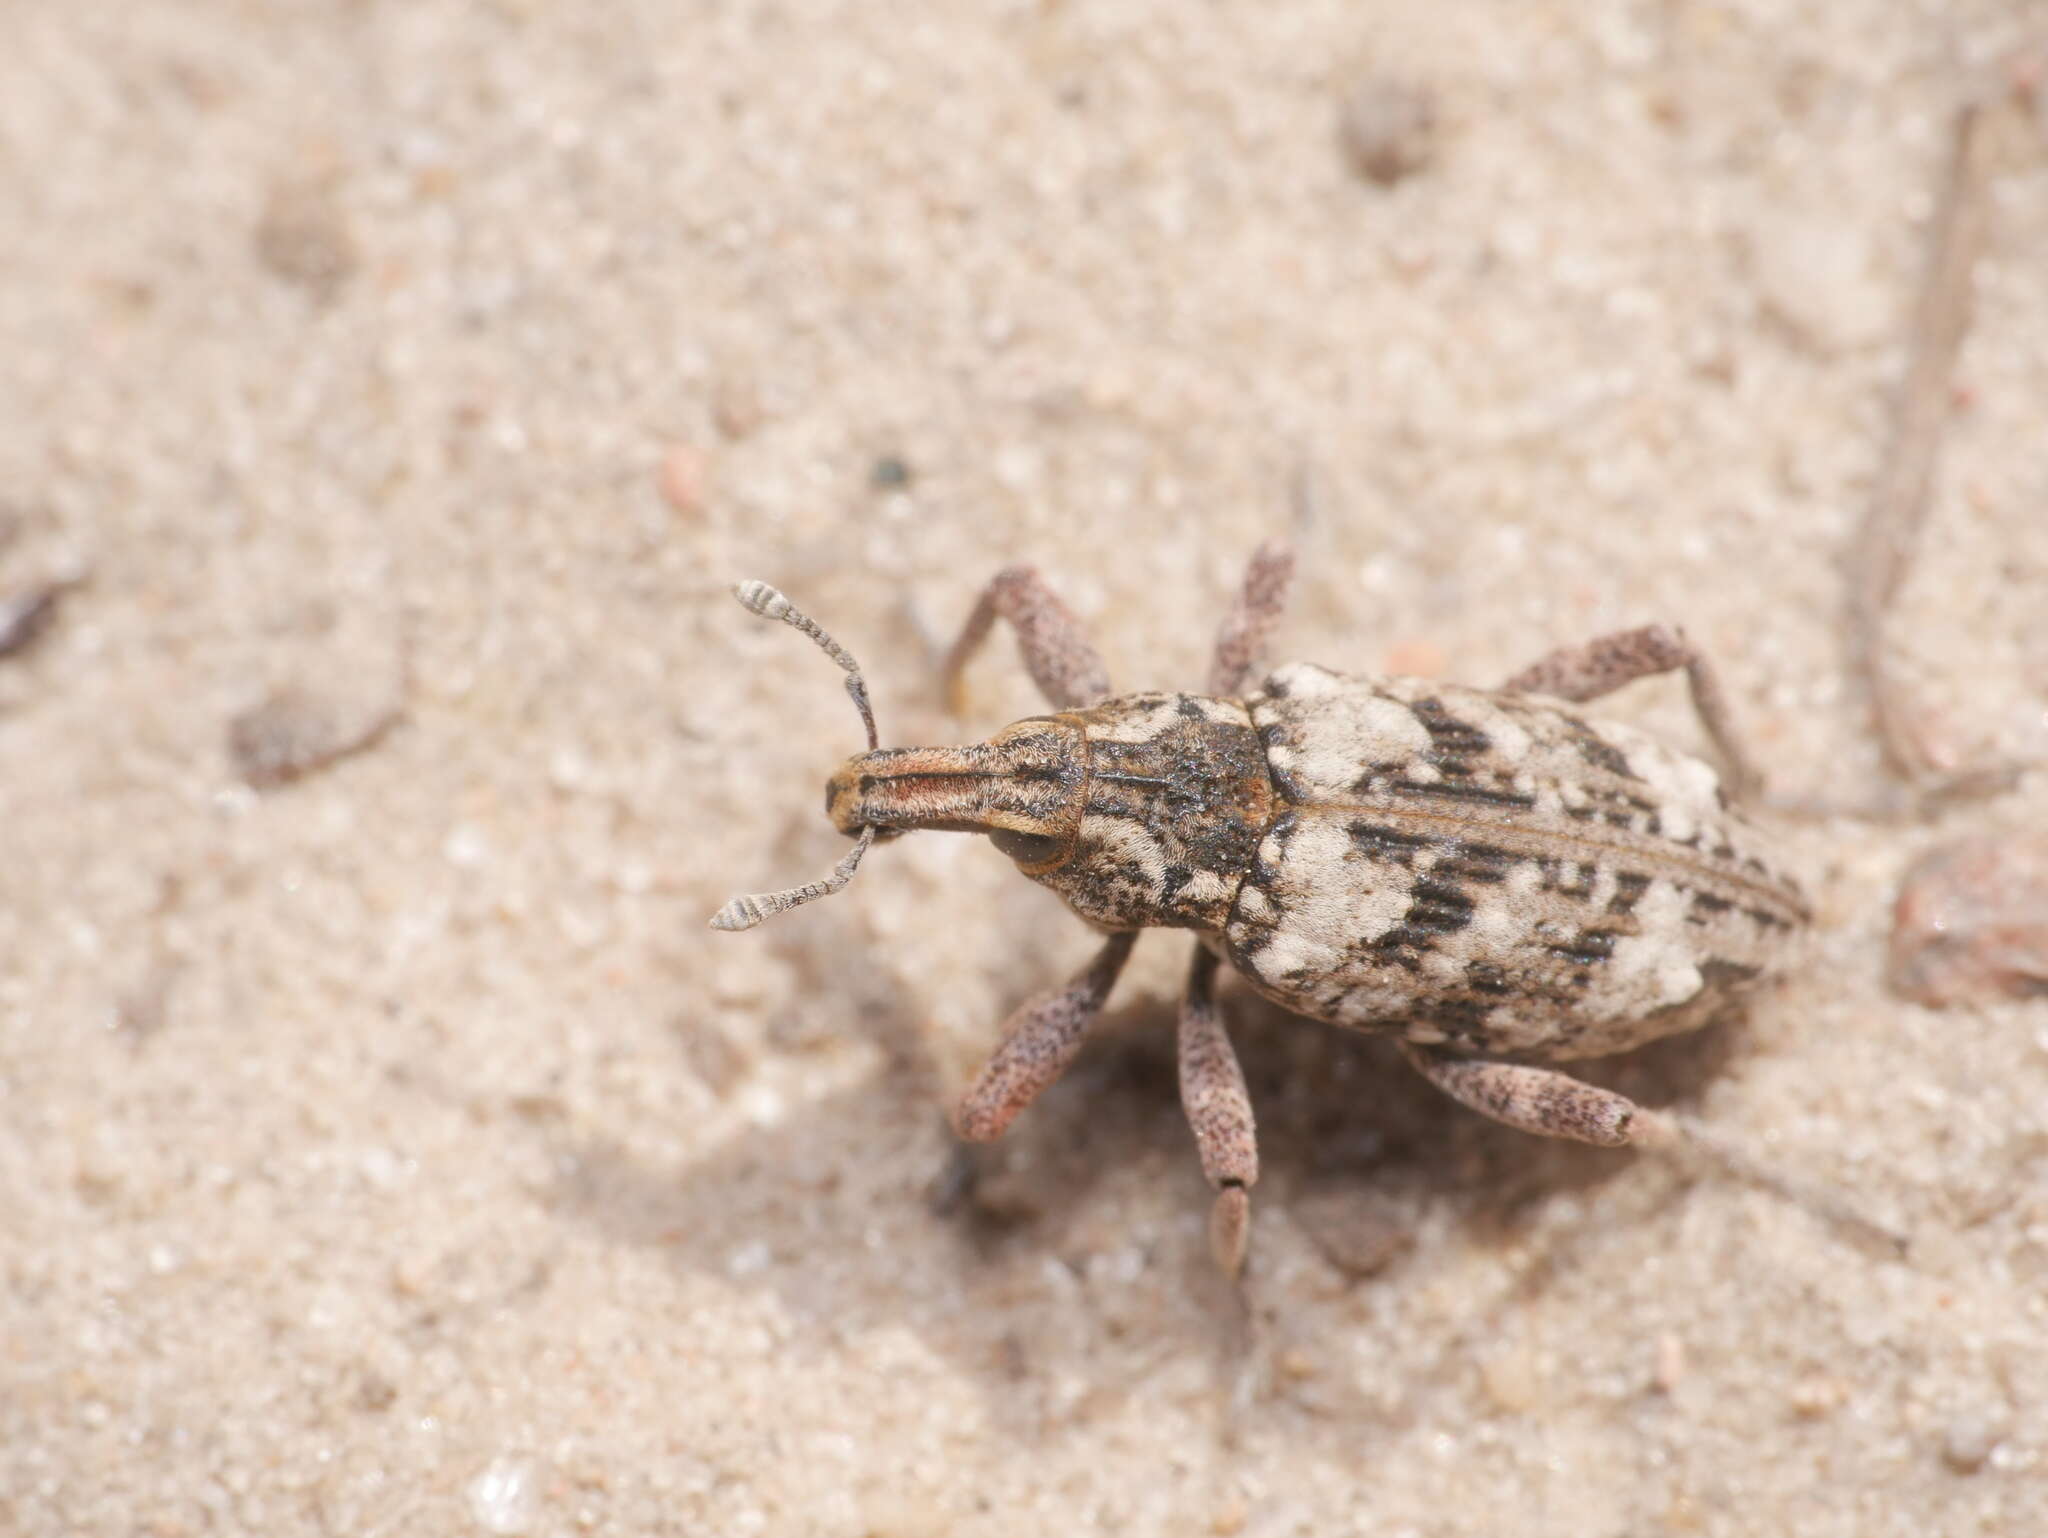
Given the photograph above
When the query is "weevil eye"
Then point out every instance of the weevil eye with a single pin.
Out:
(1025, 848)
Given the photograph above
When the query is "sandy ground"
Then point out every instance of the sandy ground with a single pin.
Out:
(396, 1151)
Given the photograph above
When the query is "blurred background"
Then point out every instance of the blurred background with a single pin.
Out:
(389, 395)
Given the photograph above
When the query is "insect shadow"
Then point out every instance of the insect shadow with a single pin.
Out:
(857, 1212)
(1340, 1114)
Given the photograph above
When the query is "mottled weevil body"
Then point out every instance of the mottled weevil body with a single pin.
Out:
(1491, 876)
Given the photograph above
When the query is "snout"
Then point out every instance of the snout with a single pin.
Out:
(1026, 779)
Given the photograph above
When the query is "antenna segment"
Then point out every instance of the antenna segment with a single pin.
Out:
(746, 911)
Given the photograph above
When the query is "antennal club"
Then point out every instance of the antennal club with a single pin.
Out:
(746, 911)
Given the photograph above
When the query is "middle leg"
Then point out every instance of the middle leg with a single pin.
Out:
(1219, 1111)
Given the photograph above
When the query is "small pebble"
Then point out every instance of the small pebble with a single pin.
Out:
(1969, 1439)
(1670, 1369)
(889, 473)
(24, 616)
(736, 408)
(1388, 128)
(1297, 1365)
(375, 1393)
(466, 847)
(749, 1259)
(1230, 1517)
(1819, 278)
(682, 479)
(411, 1275)
(1513, 1381)
(293, 732)
(1356, 1233)
(1817, 1396)
(302, 238)
(718, 1063)
(1416, 659)
(1970, 924)
(501, 1497)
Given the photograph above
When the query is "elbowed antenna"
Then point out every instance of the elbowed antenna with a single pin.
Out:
(769, 603)
(746, 911)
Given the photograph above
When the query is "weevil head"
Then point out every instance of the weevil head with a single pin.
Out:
(1140, 810)
(1023, 788)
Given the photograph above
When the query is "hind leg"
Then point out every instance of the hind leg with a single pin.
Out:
(1604, 664)
(1553, 1104)
(1538, 1100)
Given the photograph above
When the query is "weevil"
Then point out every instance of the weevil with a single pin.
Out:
(1494, 878)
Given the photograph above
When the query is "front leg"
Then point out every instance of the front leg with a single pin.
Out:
(1039, 1041)
(1600, 666)
(1219, 1110)
(1055, 647)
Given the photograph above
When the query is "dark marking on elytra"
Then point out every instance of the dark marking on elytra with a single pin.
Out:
(1486, 977)
(1377, 841)
(1456, 791)
(1597, 750)
(1567, 878)
(1588, 947)
(1437, 908)
(1706, 907)
(1403, 946)
(1719, 972)
(1449, 736)
(1629, 886)
(1467, 860)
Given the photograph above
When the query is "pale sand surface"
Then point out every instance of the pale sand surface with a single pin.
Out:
(397, 1151)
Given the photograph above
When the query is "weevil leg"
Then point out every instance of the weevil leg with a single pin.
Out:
(1604, 664)
(1553, 1104)
(1538, 1100)
(1054, 644)
(1039, 1041)
(1241, 638)
(1219, 1110)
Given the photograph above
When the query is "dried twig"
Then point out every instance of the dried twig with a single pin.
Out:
(25, 615)
(1898, 507)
